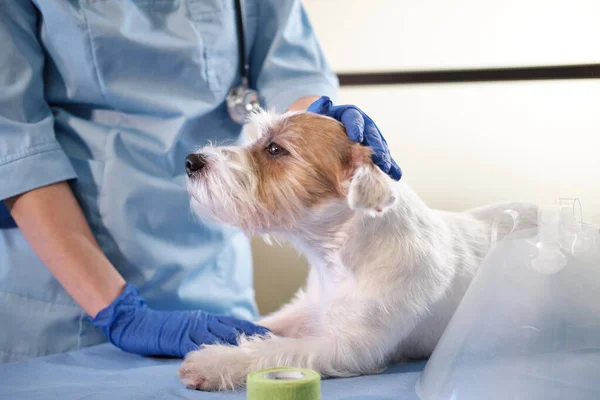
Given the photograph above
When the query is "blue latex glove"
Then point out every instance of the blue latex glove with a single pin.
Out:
(132, 326)
(360, 129)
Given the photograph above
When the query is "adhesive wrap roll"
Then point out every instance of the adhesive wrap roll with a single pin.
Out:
(284, 384)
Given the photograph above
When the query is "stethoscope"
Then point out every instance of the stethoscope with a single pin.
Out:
(241, 100)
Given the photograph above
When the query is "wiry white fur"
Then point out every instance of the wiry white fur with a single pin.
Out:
(231, 182)
(262, 121)
(369, 191)
(382, 285)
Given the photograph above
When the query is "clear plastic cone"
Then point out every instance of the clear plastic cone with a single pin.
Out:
(528, 327)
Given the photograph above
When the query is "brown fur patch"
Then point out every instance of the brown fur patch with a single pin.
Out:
(321, 158)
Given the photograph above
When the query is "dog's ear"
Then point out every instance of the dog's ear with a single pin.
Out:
(370, 190)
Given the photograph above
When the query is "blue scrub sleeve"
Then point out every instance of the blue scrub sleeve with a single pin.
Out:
(287, 61)
(30, 156)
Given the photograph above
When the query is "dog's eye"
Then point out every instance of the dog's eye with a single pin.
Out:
(276, 150)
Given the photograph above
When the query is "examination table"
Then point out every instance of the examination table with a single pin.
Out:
(106, 373)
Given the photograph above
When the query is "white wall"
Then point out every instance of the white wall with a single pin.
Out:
(463, 145)
(433, 34)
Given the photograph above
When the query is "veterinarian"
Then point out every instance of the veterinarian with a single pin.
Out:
(100, 102)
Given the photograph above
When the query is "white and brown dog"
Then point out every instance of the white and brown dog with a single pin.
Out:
(387, 272)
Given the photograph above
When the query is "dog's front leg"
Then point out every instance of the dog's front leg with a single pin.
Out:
(353, 344)
(291, 320)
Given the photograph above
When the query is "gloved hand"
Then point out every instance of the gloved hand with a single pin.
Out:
(133, 327)
(360, 129)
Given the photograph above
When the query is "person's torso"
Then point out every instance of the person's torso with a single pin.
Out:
(134, 87)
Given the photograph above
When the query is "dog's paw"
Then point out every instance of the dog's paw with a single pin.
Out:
(214, 368)
(192, 377)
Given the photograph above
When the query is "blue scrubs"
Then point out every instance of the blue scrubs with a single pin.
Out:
(112, 95)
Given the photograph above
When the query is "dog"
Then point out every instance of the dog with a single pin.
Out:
(387, 272)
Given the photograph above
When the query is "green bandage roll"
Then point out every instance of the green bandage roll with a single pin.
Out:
(284, 384)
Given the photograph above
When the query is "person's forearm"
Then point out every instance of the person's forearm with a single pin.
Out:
(302, 103)
(55, 227)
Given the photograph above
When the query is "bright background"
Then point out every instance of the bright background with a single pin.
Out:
(467, 144)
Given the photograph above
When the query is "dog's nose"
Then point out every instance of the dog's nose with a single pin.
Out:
(194, 163)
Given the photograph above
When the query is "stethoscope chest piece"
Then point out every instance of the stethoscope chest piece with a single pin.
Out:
(241, 103)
